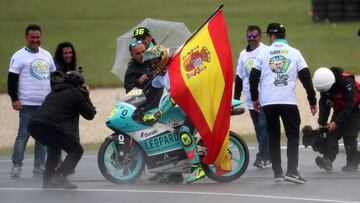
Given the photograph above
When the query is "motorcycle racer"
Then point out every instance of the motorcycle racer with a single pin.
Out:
(158, 57)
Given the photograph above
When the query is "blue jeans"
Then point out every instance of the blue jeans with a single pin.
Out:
(22, 138)
(262, 135)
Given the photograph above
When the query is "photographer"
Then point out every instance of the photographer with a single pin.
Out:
(56, 125)
(340, 92)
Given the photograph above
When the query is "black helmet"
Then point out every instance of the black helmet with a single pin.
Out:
(74, 77)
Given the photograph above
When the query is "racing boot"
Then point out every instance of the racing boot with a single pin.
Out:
(197, 172)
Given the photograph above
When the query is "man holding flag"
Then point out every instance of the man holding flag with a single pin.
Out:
(203, 63)
(201, 77)
(158, 58)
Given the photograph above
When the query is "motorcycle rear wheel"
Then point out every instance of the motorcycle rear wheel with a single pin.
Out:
(239, 157)
(120, 164)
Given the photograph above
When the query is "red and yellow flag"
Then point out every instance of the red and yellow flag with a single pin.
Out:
(201, 77)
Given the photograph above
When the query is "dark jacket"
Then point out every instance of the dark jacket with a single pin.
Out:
(344, 85)
(61, 109)
(133, 73)
(63, 67)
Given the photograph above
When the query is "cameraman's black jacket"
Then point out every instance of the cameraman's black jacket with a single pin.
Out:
(344, 84)
(61, 109)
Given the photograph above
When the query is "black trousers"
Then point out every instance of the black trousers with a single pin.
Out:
(56, 141)
(290, 117)
(349, 131)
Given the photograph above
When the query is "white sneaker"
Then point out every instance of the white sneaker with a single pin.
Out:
(294, 178)
(279, 178)
(15, 171)
(38, 171)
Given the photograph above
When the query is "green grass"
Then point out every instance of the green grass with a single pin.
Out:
(93, 26)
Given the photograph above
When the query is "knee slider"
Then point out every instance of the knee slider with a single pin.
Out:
(185, 139)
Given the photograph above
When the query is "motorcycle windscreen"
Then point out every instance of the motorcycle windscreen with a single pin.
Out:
(135, 97)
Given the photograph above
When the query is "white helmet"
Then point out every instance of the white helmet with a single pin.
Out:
(323, 79)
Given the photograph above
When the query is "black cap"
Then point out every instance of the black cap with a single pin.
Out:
(275, 28)
(141, 32)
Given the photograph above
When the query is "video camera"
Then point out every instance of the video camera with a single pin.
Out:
(57, 77)
(79, 69)
(315, 138)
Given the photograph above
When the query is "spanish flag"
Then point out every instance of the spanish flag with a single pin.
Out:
(201, 77)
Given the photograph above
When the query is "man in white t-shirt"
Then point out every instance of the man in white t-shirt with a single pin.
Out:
(28, 85)
(277, 70)
(245, 64)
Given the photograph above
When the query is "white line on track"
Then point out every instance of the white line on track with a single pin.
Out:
(191, 193)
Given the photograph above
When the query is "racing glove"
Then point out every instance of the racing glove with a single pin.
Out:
(151, 118)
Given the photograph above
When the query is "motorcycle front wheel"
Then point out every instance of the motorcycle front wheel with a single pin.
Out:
(239, 157)
(120, 163)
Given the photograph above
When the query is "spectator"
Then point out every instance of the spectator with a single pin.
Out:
(340, 91)
(65, 60)
(28, 85)
(245, 64)
(277, 70)
(139, 74)
(143, 34)
(65, 57)
(56, 125)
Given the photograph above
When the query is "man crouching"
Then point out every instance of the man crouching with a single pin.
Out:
(56, 125)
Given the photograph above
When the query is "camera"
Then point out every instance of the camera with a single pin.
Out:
(79, 69)
(315, 138)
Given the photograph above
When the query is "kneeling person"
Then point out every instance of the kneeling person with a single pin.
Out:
(341, 92)
(56, 125)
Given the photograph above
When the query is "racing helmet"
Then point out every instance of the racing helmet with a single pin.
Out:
(323, 79)
(74, 77)
(157, 52)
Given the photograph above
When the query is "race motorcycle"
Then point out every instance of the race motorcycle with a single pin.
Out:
(123, 155)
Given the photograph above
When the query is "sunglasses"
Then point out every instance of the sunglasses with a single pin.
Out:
(252, 36)
(136, 43)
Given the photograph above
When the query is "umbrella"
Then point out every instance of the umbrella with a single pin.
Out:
(167, 33)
